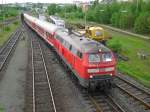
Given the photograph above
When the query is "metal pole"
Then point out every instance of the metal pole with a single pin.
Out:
(85, 19)
(65, 12)
(85, 10)
(3, 15)
(4, 12)
(137, 5)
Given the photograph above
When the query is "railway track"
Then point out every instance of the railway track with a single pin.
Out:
(42, 96)
(6, 50)
(103, 102)
(141, 97)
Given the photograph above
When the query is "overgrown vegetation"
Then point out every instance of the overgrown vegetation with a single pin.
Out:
(16, 23)
(4, 34)
(130, 46)
(7, 12)
(134, 16)
(116, 46)
(7, 28)
(67, 11)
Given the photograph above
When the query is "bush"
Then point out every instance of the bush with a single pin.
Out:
(52, 9)
(142, 23)
(15, 23)
(7, 28)
(116, 47)
(115, 19)
(126, 20)
(90, 15)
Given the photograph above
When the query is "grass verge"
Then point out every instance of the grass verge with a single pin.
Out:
(5, 33)
(135, 67)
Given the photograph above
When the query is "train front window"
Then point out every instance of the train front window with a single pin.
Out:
(106, 57)
(98, 33)
(94, 58)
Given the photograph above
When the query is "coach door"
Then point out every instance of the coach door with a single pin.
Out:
(49, 38)
(74, 52)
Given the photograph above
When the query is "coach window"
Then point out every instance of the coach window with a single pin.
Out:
(57, 37)
(47, 34)
(67, 45)
(74, 50)
(79, 54)
(61, 40)
(70, 47)
(50, 35)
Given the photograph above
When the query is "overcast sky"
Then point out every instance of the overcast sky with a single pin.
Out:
(41, 1)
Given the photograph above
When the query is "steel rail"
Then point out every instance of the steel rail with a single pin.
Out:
(46, 73)
(9, 50)
(97, 106)
(33, 79)
(113, 105)
(133, 85)
(11, 36)
(117, 105)
(49, 84)
(143, 102)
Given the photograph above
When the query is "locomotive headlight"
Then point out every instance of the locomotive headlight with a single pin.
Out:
(91, 76)
(109, 69)
(95, 70)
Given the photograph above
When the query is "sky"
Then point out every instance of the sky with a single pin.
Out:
(41, 1)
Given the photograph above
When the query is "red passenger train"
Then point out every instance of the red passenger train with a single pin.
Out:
(91, 62)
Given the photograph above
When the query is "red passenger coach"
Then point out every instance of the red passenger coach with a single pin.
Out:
(91, 62)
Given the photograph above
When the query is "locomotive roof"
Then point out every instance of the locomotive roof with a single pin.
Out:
(82, 43)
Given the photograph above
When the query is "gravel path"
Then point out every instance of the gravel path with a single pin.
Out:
(12, 84)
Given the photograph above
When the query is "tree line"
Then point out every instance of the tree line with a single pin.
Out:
(133, 16)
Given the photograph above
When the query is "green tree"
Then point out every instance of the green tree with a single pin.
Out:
(90, 15)
(126, 20)
(52, 9)
(115, 19)
(142, 23)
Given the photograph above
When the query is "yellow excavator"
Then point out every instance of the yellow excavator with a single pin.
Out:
(96, 33)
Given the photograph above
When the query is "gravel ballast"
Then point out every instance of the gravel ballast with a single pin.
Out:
(13, 80)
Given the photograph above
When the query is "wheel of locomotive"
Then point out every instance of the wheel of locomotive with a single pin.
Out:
(92, 87)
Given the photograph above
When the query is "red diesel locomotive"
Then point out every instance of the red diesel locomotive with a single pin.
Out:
(91, 62)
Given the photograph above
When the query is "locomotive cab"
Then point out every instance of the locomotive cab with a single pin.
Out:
(99, 68)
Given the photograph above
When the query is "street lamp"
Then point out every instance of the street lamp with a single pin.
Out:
(85, 9)
(137, 5)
